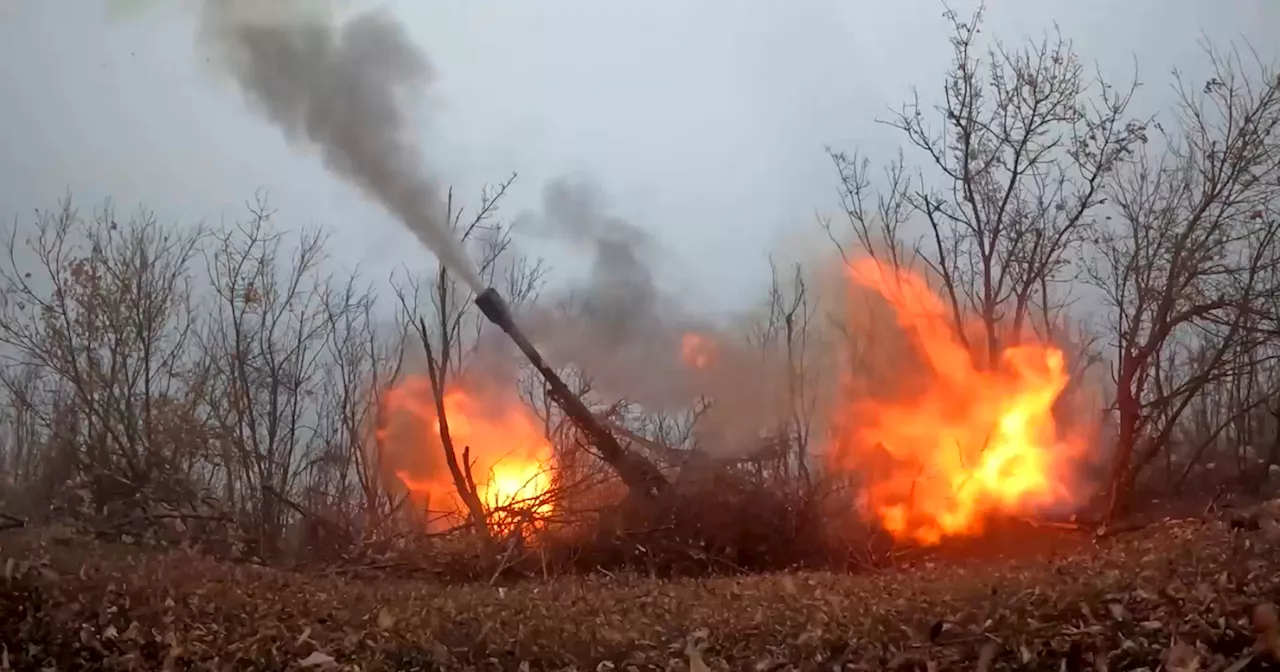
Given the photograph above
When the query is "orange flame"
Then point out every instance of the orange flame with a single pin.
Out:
(697, 350)
(510, 454)
(966, 443)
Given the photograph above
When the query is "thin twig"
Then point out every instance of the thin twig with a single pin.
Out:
(1055, 525)
(372, 566)
(1208, 508)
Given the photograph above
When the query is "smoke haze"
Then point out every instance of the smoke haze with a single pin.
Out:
(344, 85)
(628, 336)
(619, 295)
(616, 325)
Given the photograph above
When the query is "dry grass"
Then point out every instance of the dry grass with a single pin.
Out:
(1178, 595)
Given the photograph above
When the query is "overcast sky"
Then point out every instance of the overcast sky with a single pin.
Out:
(703, 121)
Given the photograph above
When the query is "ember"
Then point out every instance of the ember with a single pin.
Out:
(697, 350)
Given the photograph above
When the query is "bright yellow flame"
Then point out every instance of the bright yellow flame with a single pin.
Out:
(967, 442)
(511, 456)
(518, 469)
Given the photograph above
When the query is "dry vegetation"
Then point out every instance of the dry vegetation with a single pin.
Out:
(191, 426)
(1183, 593)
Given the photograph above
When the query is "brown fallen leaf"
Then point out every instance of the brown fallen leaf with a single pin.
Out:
(1240, 664)
(693, 650)
(696, 663)
(986, 656)
(1088, 613)
(1270, 509)
(1182, 657)
(1118, 611)
(385, 620)
(317, 659)
(1266, 626)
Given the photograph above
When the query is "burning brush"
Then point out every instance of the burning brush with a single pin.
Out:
(639, 475)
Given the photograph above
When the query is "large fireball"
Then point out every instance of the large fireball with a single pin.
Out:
(510, 454)
(963, 441)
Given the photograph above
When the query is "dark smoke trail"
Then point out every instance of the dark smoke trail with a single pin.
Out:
(342, 85)
(622, 328)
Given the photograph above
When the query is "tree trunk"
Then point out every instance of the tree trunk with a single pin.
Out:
(465, 487)
(1121, 477)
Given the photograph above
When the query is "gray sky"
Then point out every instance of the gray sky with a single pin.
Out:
(703, 121)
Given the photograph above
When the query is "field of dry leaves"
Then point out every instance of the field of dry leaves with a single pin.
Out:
(1179, 595)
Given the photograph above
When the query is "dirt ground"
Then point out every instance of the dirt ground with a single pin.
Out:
(1180, 595)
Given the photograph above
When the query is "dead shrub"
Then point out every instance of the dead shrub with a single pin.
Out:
(718, 520)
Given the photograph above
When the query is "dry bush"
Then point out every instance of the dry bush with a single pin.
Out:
(148, 399)
(712, 522)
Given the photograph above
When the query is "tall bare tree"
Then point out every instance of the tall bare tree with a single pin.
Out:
(104, 309)
(268, 345)
(1186, 258)
(1015, 159)
(786, 337)
(450, 329)
(365, 353)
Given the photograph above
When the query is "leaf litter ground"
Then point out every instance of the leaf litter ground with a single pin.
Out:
(1190, 595)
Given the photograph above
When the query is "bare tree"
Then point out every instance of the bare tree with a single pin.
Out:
(1014, 167)
(785, 337)
(23, 467)
(1186, 260)
(364, 360)
(105, 310)
(268, 346)
(257, 385)
(1231, 421)
(450, 329)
